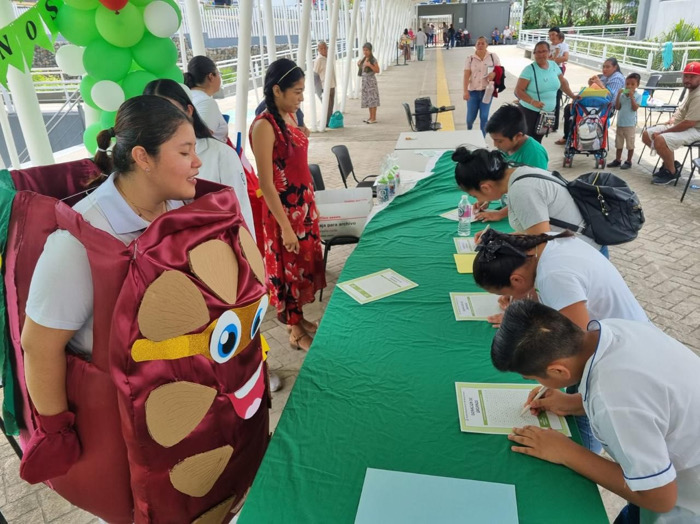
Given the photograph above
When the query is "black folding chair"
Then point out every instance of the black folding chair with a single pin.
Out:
(342, 240)
(346, 169)
(695, 164)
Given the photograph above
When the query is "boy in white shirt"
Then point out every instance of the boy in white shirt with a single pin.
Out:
(640, 389)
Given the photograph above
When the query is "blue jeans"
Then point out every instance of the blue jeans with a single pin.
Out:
(584, 427)
(420, 50)
(474, 106)
(628, 515)
(605, 252)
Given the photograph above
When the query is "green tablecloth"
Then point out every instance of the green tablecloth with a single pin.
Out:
(377, 388)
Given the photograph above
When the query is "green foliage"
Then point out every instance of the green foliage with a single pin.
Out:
(541, 13)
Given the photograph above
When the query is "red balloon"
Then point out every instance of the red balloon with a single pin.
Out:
(114, 5)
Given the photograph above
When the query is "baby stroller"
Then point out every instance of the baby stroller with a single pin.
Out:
(589, 131)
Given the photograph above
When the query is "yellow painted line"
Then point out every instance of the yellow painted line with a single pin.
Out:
(443, 94)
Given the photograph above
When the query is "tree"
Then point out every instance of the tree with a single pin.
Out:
(587, 7)
(543, 11)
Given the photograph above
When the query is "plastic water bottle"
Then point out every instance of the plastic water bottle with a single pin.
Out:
(464, 213)
(382, 191)
(391, 181)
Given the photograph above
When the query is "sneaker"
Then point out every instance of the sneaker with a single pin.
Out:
(627, 164)
(677, 165)
(614, 163)
(275, 382)
(663, 177)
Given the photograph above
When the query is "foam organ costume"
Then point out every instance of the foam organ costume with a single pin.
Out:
(172, 410)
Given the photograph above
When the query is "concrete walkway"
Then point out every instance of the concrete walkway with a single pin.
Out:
(662, 266)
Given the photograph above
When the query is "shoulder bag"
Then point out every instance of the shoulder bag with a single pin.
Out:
(547, 119)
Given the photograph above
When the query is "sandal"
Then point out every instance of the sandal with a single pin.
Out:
(371, 121)
(561, 142)
(294, 341)
(309, 327)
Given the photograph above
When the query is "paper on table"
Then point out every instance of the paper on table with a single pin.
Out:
(474, 306)
(376, 286)
(451, 215)
(465, 245)
(395, 497)
(495, 408)
(465, 262)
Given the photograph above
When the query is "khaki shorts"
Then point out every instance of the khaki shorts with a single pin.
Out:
(676, 140)
(625, 134)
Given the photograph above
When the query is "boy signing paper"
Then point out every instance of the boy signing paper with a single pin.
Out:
(640, 390)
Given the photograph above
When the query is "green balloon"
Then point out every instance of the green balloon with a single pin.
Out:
(86, 85)
(141, 3)
(174, 73)
(77, 26)
(105, 61)
(123, 28)
(90, 137)
(154, 54)
(107, 119)
(134, 83)
(85, 5)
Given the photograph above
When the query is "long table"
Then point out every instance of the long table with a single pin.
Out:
(377, 387)
(440, 140)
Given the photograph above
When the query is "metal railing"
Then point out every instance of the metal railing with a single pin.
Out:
(644, 57)
(619, 30)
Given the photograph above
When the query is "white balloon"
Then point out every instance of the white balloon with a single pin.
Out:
(161, 19)
(69, 58)
(107, 95)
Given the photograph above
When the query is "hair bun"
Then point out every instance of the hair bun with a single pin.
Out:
(462, 154)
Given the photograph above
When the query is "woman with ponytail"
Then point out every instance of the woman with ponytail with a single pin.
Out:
(564, 273)
(293, 253)
(150, 153)
(220, 163)
(532, 201)
(204, 79)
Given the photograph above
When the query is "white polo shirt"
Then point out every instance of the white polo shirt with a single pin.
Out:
(209, 111)
(641, 392)
(61, 292)
(571, 270)
(221, 164)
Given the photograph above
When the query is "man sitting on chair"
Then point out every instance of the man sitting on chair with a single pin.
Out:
(683, 128)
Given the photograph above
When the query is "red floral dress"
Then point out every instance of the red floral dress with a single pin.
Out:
(293, 279)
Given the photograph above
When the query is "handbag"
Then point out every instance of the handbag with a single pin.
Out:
(547, 119)
(336, 120)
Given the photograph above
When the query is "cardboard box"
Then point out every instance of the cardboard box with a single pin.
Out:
(343, 211)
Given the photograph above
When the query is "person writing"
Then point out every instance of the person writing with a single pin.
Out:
(293, 253)
(154, 167)
(638, 387)
(508, 130)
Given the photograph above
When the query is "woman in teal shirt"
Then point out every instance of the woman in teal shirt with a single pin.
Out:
(537, 87)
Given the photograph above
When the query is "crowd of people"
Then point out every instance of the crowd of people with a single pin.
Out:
(569, 320)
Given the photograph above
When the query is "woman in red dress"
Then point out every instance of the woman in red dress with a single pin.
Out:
(293, 253)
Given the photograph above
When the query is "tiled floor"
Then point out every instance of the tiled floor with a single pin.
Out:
(662, 266)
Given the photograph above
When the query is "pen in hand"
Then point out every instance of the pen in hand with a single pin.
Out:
(542, 391)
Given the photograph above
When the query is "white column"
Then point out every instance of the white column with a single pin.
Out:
(363, 38)
(245, 17)
(351, 55)
(269, 20)
(309, 93)
(330, 64)
(285, 14)
(27, 105)
(9, 139)
(194, 21)
(304, 32)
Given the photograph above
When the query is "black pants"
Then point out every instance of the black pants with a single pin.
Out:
(531, 121)
(557, 111)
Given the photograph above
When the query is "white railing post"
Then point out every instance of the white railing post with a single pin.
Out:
(245, 38)
(309, 93)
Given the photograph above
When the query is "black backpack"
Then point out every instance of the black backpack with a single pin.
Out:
(423, 113)
(610, 208)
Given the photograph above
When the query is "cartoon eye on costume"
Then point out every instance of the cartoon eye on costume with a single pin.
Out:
(202, 343)
(259, 314)
(226, 337)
